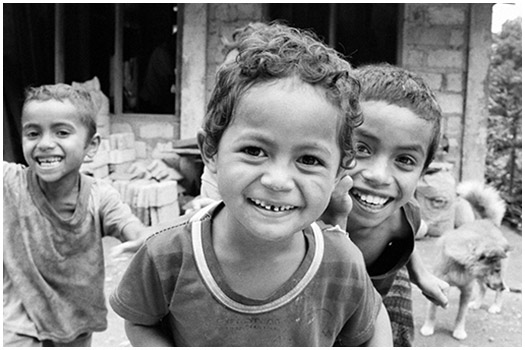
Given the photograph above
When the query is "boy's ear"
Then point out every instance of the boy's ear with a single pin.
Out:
(209, 161)
(92, 147)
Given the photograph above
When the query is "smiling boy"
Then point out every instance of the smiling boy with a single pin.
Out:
(255, 269)
(54, 220)
(395, 144)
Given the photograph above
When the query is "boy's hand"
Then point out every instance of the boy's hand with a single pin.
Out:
(340, 204)
(196, 204)
(434, 289)
(126, 247)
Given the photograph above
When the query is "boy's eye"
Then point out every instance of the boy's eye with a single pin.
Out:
(362, 150)
(254, 151)
(309, 160)
(406, 161)
(30, 134)
(63, 133)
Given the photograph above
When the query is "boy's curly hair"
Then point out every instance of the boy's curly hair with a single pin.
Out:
(79, 97)
(397, 86)
(276, 51)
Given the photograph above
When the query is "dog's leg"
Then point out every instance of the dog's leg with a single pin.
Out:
(480, 295)
(430, 321)
(459, 328)
(498, 301)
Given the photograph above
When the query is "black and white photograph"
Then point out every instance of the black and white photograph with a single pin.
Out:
(262, 174)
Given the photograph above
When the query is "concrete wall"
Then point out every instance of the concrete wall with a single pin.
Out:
(204, 27)
(449, 45)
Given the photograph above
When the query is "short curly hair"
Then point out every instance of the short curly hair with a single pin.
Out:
(79, 97)
(276, 51)
(400, 87)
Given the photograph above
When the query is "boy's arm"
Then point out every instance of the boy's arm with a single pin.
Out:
(382, 330)
(134, 234)
(140, 335)
(433, 288)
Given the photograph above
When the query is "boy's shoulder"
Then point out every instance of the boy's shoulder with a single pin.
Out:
(338, 242)
(13, 169)
(169, 234)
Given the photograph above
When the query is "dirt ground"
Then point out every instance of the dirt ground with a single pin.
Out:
(484, 329)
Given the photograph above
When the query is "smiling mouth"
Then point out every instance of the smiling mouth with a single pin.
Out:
(271, 207)
(48, 162)
(370, 201)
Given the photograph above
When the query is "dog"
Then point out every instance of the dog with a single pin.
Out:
(475, 253)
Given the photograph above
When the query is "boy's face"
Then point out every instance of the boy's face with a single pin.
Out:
(278, 160)
(392, 146)
(54, 140)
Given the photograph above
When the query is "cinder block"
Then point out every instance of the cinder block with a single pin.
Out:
(455, 82)
(450, 103)
(167, 193)
(157, 130)
(122, 141)
(120, 156)
(446, 59)
(141, 150)
(447, 15)
(121, 168)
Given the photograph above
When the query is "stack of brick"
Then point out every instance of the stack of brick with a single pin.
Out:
(122, 152)
(151, 201)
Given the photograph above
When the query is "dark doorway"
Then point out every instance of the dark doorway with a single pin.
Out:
(364, 33)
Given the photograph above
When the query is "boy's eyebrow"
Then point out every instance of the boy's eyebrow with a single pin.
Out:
(254, 136)
(415, 147)
(54, 125)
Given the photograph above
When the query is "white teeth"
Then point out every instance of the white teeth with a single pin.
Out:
(49, 162)
(371, 199)
(272, 207)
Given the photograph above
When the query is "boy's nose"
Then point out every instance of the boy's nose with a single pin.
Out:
(277, 178)
(378, 173)
(46, 142)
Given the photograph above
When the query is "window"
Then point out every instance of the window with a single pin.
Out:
(130, 47)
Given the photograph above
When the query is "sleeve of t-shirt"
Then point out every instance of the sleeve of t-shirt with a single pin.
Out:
(139, 296)
(360, 327)
(361, 324)
(113, 212)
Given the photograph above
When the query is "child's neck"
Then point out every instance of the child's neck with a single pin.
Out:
(63, 194)
(255, 269)
(373, 240)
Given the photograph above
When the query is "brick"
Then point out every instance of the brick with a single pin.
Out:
(167, 192)
(434, 80)
(121, 168)
(435, 36)
(104, 145)
(157, 130)
(457, 39)
(450, 103)
(164, 213)
(415, 58)
(141, 149)
(122, 141)
(446, 15)
(120, 156)
(445, 59)
(454, 82)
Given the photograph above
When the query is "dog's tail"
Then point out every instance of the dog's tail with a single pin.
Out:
(485, 200)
